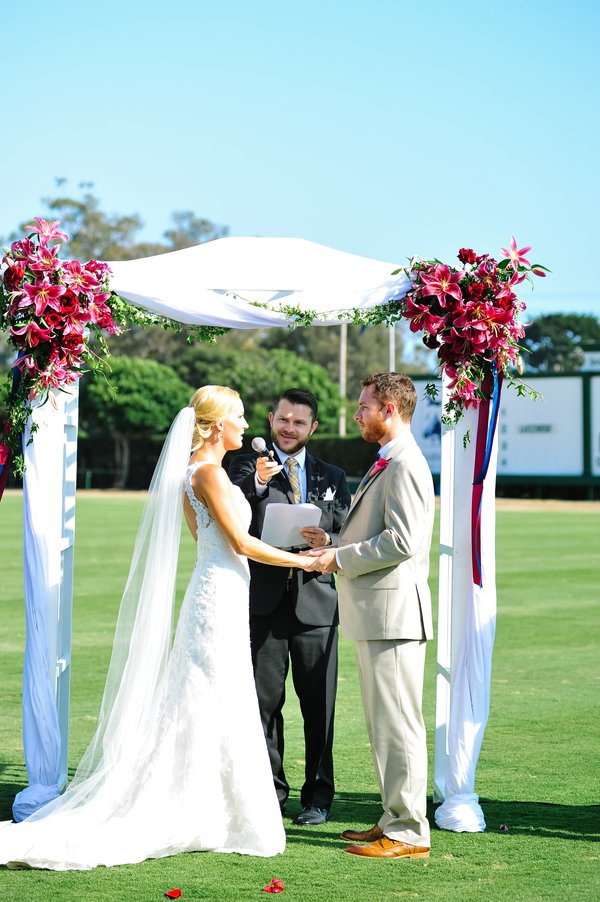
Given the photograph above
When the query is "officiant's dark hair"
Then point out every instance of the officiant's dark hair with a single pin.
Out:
(394, 387)
(299, 396)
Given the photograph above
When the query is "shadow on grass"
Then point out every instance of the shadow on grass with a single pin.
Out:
(13, 778)
(543, 819)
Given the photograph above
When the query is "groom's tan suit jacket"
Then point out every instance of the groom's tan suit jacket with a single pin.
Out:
(384, 550)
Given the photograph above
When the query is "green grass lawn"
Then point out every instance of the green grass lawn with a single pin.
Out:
(538, 770)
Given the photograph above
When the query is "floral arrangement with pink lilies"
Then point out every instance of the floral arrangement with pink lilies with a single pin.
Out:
(470, 316)
(51, 310)
(57, 314)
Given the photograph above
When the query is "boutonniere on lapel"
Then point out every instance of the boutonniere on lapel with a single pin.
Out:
(379, 465)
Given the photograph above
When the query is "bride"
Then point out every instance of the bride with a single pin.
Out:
(178, 762)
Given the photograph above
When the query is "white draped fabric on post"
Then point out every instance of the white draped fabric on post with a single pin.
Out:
(48, 520)
(466, 629)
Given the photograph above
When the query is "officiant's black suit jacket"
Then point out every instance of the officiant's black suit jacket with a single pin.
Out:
(315, 596)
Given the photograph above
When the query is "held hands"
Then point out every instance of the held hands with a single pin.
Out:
(314, 558)
(322, 560)
(266, 468)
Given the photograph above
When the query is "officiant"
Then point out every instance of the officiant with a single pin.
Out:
(293, 615)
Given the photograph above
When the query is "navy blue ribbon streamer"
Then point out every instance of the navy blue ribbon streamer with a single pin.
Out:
(487, 428)
(493, 422)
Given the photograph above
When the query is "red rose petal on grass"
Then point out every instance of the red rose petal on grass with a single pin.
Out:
(275, 886)
(173, 894)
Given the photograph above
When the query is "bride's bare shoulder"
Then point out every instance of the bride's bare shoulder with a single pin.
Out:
(207, 474)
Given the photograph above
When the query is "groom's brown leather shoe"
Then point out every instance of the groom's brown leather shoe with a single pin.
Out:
(369, 835)
(388, 848)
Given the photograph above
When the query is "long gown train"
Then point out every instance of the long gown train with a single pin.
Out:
(198, 776)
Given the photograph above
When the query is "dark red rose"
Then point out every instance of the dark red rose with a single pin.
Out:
(53, 319)
(505, 302)
(13, 276)
(467, 255)
(476, 291)
(72, 343)
(69, 303)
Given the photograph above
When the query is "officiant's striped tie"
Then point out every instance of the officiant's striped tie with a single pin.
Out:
(294, 478)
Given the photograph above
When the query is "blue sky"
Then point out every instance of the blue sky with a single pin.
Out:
(383, 128)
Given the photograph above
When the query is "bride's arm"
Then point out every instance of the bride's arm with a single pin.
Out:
(213, 488)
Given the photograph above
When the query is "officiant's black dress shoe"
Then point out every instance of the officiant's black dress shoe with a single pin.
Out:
(311, 816)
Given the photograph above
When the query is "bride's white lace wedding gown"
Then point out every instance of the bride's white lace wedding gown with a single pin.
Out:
(199, 778)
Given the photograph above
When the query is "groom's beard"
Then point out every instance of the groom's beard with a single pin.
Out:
(374, 431)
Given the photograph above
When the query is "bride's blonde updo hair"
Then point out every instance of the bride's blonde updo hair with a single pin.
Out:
(210, 403)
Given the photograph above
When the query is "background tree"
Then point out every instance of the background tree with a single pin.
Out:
(259, 376)
(95, 235)
(139, 402)
(556, 341)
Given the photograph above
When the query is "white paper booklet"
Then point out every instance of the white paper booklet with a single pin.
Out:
(283, 522)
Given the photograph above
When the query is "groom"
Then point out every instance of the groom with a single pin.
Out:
(382, 564)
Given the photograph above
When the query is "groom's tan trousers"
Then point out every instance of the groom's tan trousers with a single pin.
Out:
(391, 680)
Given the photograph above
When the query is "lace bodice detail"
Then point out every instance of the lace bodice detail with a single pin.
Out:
(210, 537)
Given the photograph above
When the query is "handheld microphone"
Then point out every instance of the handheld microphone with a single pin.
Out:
(259, 445)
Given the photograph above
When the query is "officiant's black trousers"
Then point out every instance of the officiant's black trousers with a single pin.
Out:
(277, 640)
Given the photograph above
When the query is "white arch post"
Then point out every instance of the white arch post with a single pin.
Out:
(49, 533)
(466, 626)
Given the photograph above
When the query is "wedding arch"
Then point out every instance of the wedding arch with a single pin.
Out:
(470, 314)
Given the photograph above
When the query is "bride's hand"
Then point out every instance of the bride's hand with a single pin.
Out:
(308, 562)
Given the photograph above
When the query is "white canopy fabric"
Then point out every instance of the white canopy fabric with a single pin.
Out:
(217, 283)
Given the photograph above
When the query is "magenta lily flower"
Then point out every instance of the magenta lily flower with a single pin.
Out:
(43, 295)
(79, 279)
(48, 231)
(46, 260)
(22, 249)
(422, 319)
(516, 256)
(442, 283)
(31, 333)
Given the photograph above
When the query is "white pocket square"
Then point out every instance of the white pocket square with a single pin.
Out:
(329, 494)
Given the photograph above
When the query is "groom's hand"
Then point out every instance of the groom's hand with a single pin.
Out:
(328, 562)
(325, 561)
